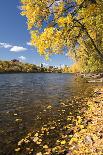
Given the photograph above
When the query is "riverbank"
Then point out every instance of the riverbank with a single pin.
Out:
(90, 77)
(80, 134)
(89, 139)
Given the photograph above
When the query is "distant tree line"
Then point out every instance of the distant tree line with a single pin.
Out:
(14, 66)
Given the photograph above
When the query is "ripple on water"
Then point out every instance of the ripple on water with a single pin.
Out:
(26, 96)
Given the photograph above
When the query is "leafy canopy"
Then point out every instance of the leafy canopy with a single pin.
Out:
(65, 25)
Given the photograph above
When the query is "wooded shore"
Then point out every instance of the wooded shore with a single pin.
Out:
(15, 66)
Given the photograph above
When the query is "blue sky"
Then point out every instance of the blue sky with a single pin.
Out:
(14, 37)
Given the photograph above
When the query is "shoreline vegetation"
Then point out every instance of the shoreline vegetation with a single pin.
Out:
(15, 66)
(84, 135)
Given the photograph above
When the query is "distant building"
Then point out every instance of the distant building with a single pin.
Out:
(41, 65)
(51, 67)
(14, 60)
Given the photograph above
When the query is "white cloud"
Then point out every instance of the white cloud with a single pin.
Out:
(19, 7)
(62, 66)
(29, 44)
(67, 54)
(5, 45)
(18, 49)
(22, 58)
(56, 3)
(45, 64)
(11, 47)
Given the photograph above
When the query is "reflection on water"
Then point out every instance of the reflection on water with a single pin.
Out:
(24, 96)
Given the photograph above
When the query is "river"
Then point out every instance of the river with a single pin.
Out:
(24, 98)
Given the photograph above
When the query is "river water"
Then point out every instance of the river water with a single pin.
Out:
(24, 98)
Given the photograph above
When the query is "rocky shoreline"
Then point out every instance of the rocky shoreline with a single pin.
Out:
(89, 140)
(92, 77)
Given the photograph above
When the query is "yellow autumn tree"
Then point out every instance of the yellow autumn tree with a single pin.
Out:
(58, 25)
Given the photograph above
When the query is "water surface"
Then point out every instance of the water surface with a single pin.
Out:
(24, 97)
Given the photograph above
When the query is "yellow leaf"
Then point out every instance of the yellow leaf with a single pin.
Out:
(63, 142)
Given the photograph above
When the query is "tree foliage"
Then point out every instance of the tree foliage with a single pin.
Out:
(73, 26)
(11, 66)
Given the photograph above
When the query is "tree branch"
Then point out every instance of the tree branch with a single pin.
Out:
(92, 41)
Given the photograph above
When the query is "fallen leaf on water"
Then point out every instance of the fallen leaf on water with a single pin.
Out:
(49, 107)
(15, 114)
(63, 142)
(45, 147)
(17, 150)
(38, 142)
(39, 153)
(62, 103)
(36, 135)
(53, 127)
(35, 139)
(18, 120)
(26, 141)
(20, 142)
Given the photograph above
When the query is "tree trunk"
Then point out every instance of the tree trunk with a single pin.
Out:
(93, 43)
